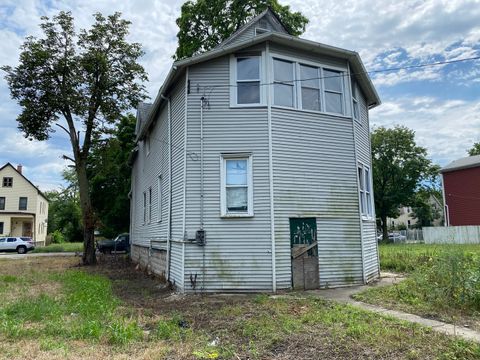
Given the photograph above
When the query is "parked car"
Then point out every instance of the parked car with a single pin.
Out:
(396, 237)
(19, 244)
(120, 243)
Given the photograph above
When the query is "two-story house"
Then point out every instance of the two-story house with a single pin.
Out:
(23, 208)
(252, 170)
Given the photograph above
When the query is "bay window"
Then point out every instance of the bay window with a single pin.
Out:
(236, 185)
(310, 82)
(283, 88)
(248, 80)
(333, 85)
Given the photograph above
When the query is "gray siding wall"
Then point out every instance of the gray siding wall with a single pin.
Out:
(315, 176)
(237, 254)
(363, 150)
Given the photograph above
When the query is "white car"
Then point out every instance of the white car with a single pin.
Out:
(19, 244)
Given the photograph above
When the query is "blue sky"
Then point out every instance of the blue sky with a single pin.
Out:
(441, 103)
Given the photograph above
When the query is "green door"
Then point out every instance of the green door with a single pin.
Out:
(304, 251)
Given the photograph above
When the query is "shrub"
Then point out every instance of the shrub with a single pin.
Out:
(57, 237)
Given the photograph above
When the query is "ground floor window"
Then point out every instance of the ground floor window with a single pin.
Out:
(236, 185)
(1, 227)
(365, 190)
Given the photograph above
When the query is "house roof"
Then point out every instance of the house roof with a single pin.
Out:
(19, 173)
(463, 163)
(357, 68)
(143, 110)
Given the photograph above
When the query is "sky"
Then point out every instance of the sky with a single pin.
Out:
(440, 103)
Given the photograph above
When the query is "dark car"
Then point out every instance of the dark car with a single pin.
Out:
(120, 243)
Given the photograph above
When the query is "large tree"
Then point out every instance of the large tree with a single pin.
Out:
(400, 168)
(109, 171)
(82, 83)
(475, 150)
(204, 24)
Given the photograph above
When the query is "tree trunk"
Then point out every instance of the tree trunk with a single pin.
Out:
(89, 257)
(384, 228)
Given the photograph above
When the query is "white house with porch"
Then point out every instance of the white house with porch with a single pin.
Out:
(23, 207)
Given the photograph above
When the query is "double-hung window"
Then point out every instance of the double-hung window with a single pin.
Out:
(1, 229)
(310, 83)
(2, 203)
(149, 205)
(356, 112)
(333, 88)
(248, 80)
(144, 207)
(236, 182)
(365, 189)
(159, 199)
(284, 80)
(22, 203)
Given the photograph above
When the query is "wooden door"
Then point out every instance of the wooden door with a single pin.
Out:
(304, 251)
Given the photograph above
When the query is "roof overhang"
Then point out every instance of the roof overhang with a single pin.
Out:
(356, 65)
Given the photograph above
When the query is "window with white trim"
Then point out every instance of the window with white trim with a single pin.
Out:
(144, 207)
(356, 112)
(333, 89)
(310, 87)
(248, 80)
(365, 190)
(284, 83)
(236, 185)
(159, 199)
(149, 205)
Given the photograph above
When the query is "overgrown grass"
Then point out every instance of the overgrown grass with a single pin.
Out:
(408, 257)
(65, 247)
(445, 286)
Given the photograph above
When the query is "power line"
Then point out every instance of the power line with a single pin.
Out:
(342, 74)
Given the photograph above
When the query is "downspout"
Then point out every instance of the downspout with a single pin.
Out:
(185, 139)
(202, 103)
(356, 172)
(169, 219)
(270, 170)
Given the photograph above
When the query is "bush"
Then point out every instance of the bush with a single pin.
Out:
(57, 237)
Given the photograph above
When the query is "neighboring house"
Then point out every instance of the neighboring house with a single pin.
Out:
(23, 208)
(407, 219)
(461, 191)
(253, 170)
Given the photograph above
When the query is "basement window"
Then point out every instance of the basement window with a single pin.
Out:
(237, 189)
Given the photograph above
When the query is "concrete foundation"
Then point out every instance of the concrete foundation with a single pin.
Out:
(152, 260)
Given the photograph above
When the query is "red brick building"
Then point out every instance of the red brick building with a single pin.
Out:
(461, 191)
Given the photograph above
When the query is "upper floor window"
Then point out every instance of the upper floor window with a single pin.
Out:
(159, 199)
(237, 189)
(333, 84)
(284, 80)
(149, 205)
(310, 83)
(356, 112)
(365, 191)
(7, 182)
(22, 203)
(248, 80)
(2, 203)
(147, 144)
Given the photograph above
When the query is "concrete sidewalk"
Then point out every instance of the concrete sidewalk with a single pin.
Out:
(344, 295)
(12, 256)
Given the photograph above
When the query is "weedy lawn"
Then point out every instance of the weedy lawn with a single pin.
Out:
(55, 309)
(443, 282)
(64, 247)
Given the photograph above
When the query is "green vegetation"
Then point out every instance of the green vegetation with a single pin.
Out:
(408, 257)
(64, 247)
(55, 309)
(444, 282)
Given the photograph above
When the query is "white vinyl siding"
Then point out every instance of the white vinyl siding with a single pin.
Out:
(237, 189)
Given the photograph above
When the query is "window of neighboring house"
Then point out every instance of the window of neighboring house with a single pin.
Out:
(365, 189)
(333, 89)
(237, 188)
(144, 207)
(159, 195)
(22, 203)
(248, 80)
(310, 84)
(7, 182)
(2, 203)
(149, 205)
(284, 83)
(356, 112)
(1, 228)
(408, 222)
